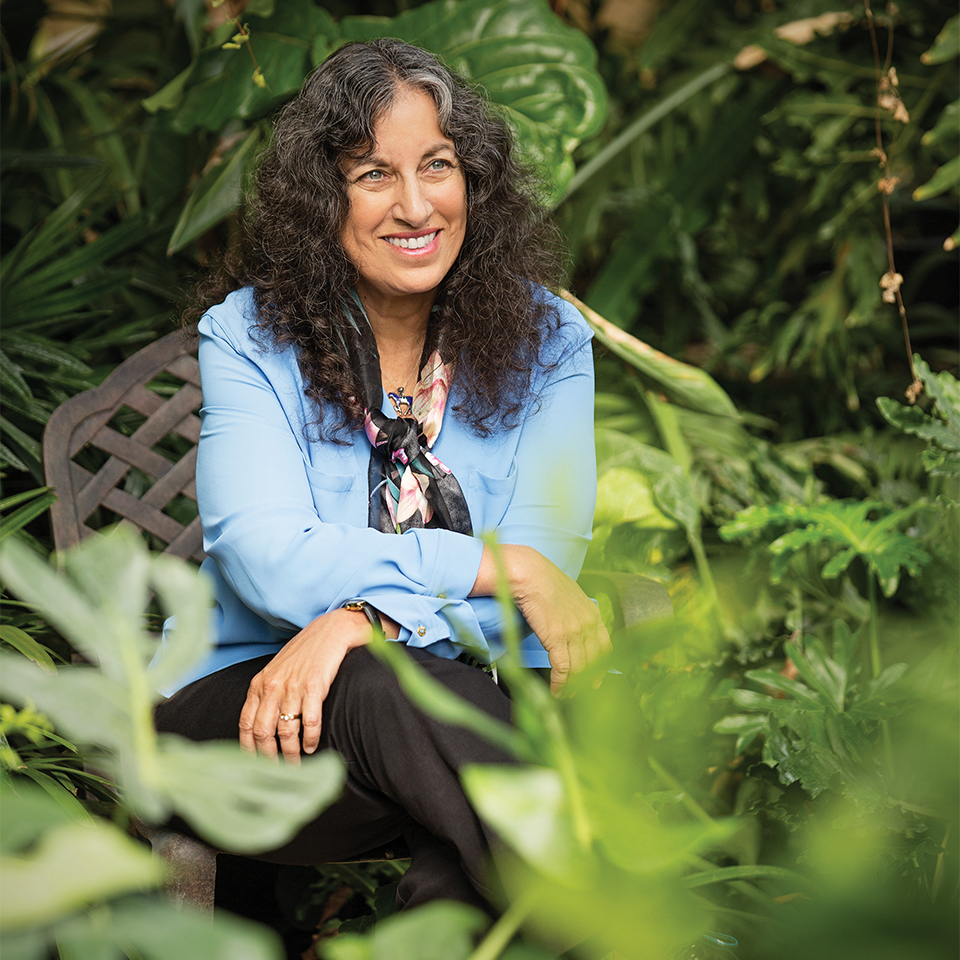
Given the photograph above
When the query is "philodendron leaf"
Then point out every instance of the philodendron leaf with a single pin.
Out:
(528, 809)
(159, 930)
(73, 864)
(242, 803)
(436, 931)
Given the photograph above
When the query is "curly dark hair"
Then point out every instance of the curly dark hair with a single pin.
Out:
(494, 319)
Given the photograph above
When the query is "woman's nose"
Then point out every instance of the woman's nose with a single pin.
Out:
(412, 202)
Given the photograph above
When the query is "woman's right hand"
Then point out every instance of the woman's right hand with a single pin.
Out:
(296, 681)
(566, 621)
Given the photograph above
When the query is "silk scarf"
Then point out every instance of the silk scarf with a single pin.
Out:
(410, 487)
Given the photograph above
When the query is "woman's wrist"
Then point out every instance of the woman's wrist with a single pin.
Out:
(360, 611)
(517, 562)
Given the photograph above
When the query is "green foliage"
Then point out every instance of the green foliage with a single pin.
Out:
(731, 211)
(942, 137)
(844, 524)
(77, 885)
(822, 729)
(942, 431)
(98, 603)
(437, 931)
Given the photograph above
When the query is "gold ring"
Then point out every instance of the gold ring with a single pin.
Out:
(290, 716)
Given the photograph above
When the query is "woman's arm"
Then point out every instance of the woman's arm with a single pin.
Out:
(566, 621)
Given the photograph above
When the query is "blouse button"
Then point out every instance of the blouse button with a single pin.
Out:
(421, 630)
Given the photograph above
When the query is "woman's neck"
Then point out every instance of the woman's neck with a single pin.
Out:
(399, 327)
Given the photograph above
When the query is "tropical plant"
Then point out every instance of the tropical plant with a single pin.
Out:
(941, 430)
(732, 209)
(236, 801)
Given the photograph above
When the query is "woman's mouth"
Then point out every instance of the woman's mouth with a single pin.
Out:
(412, 243)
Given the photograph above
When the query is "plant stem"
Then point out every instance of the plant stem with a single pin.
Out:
(916, 386)
(500, 934)
(875, 662)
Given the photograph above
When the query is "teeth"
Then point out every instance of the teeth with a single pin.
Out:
(414, 243)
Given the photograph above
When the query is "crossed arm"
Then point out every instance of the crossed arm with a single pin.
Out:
(297, 679)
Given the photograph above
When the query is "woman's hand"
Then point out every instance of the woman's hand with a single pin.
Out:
(297, 680)
(566, 621)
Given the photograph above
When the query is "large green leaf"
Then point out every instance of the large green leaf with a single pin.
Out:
(233, 799)
(435, 931)
(69, 863)
(218, 87)
(239, 802)
(158, 930)
(529, 810)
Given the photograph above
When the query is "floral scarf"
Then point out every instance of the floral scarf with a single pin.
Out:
(409, 486)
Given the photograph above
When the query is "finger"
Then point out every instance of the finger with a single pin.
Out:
(288, 732)
(559, 674)
(247, 716)
(265, 728)
(311, 722)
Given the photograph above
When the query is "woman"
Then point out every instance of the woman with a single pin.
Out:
(385, 380)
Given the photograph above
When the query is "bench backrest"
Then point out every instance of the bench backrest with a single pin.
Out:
(127, 451)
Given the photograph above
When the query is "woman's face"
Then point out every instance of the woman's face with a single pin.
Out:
(408, 203)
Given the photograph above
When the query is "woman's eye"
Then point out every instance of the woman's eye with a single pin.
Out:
(372, 176)
(439, 164)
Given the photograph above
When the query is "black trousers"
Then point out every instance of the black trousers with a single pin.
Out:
(402, 769)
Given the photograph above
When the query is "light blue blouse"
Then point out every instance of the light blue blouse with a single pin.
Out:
(285, 516)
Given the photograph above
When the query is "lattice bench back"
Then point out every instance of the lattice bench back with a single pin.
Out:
(127, 450)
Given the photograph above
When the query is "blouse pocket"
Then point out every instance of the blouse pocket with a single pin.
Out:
(337, 496)
(489, 497)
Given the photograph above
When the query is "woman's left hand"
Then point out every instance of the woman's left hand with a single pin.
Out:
(566, 621)
(296, 682)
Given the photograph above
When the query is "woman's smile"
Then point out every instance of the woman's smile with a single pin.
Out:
(414, 242)
(408, 204)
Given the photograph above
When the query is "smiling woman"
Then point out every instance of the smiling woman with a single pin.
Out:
(395, 267)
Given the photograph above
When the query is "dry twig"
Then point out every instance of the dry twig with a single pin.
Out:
(888, 99)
